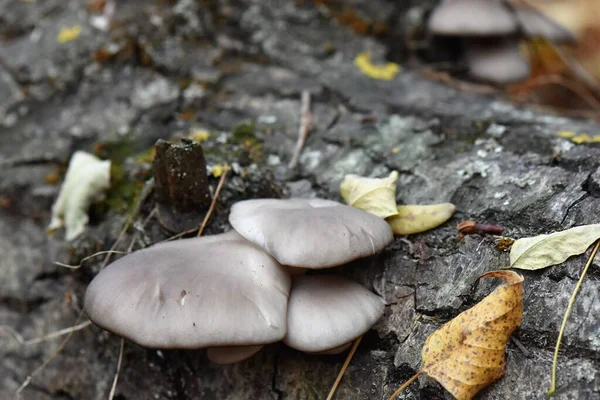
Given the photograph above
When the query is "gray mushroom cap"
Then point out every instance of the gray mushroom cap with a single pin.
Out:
(328, 311)
(310, 233)
(535, 24)
(472, 18)
(212, 291)
(496, 60)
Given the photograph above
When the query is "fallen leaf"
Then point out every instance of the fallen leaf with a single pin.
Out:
(467, 354)
(545, 250)
(384, 72)
(85, 181)
(374, 195)
(416, 218)
(68, 34)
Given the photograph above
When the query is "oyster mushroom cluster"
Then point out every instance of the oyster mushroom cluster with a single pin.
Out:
(235, 292)
(491, 31)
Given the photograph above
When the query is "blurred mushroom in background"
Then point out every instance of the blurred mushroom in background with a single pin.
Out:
(491, 33)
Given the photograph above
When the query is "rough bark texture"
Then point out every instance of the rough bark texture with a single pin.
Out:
(237, 69)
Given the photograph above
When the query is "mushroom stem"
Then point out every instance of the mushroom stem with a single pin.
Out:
(333, 351)
(231, 354)
(293, 271)
(496, 60)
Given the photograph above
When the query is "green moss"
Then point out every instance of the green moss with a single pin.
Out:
(117, 150)
(244, 131)
(145, 156)
(122, 193)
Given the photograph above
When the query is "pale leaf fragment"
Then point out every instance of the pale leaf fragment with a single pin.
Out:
(546, 250)
(86, 180)
(420, 218)
(374, 195)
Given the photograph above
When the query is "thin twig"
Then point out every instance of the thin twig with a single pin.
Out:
(43, 365)
(213, 202)
(569, 84)
(114, 385)
(344, 367)
(87, 258)
(305, 125)
(146, 190)
(26, 342)
(564, 322)
(405, 385)
(526, 353)
(576, 68)
(144, 223)
(181, 234)
(447, 79)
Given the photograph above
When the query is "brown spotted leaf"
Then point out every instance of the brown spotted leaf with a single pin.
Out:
(467, 353)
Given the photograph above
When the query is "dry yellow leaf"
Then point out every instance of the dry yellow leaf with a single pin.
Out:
(374, 195)
(467, 353)
(68, 34)
(420, 218)
(384, 72)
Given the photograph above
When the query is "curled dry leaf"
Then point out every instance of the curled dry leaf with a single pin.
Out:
(374, 195)
(85, 181)
(467, 353)
(414, 218)
(545, 250)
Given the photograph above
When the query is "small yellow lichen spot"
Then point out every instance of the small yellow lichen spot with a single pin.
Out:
(395, 150)
(68, 34)
(384, 72)
(219, 170)
(199, 135)
(566, 134)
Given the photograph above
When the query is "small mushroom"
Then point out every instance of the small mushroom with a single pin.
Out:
(310, 233)
(497, 60)
(203, 292)
(534, 24)
(329, 311)
(472, 18)
(231, 354)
